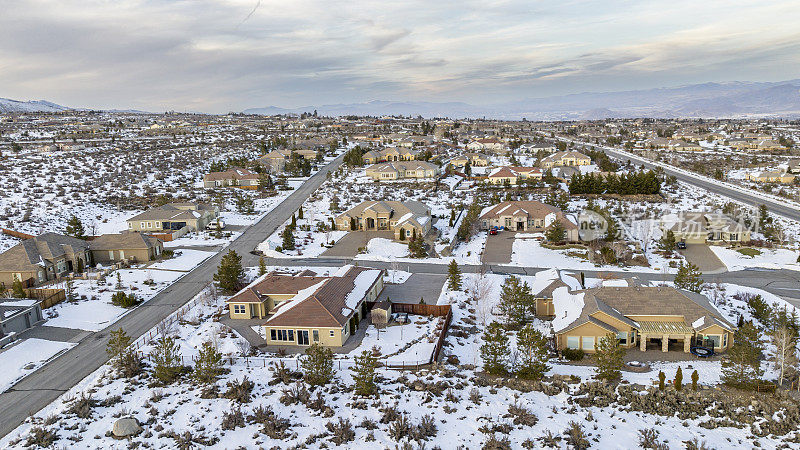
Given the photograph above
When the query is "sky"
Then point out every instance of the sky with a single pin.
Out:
(218, 56)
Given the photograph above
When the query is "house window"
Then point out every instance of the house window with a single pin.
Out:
(587, 342)
(130, 225)
(622, 337)
(142, 224)
(111, 254)
(332, 332)
(725, 340)
(149, 224)
(573, 342)
(239, 309)
(158, 224)
(713, 340)
(734, 237)
(281, 335)
(315, 335)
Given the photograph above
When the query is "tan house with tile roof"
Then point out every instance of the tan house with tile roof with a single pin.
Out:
(305, 309)
(235, 177)
(402, 170)
(771, 176)
(475, 160)
(529, 216)
(173, 217)
(43, 258)
(702, 227)
(568, 158)
(638, 316)
(403, 218)
(389, 154)
(512, 175)
(134, 247)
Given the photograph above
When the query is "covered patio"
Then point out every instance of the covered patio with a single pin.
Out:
(665, 331)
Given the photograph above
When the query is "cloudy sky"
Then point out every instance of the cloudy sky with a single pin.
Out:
(229, 55)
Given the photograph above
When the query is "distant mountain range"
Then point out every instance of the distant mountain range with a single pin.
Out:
(707, 100)
(15, 106)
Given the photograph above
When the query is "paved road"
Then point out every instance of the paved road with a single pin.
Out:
(783, 283)
(42, 387)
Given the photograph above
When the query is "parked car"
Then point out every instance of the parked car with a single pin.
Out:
(680, 245)
(213, 225)
(493, 231)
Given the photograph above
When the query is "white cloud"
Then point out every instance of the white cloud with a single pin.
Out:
(218, 56)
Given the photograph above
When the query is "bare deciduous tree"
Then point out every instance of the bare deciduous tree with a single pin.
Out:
(480, 291)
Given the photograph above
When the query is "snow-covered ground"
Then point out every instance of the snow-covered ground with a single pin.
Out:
(403, 343)
(767, 258)
(24, 357)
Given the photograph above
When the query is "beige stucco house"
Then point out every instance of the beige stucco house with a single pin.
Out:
(402, 170)
(702, 227)
(43, 258)
(304, 309)
(173, 217)
(475, 160)
(771, 176)
(235, 177)
(530, 216)
(403, 218)
(638, 316)
(512, 175)
(133, 247)
(389, 154)
(568, 158)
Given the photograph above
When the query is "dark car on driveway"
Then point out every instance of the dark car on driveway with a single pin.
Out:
(680, 245)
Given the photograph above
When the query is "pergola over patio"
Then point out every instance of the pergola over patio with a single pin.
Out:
(665, 331)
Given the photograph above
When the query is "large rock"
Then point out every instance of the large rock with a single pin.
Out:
(126, 426)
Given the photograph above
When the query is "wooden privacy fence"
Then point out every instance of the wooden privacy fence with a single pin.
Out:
(16, 234)
(421, 310)
(47, 297)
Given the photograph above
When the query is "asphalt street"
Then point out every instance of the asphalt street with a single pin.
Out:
(43, 386)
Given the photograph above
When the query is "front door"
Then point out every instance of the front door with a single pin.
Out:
(520, 226)
(302, 337)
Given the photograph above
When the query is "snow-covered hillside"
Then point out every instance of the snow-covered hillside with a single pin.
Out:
(15, 106)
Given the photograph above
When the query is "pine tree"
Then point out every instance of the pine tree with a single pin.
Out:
(166, 360)
(695, 379)
(75, 228)
(454, 274)
(667, 242)
(532, 347)
(741, 366)
(556, 232)
(689, 277)
(364, 374)
(517, 303)
(208, 364)
(661, 380)
(230, 273)
(262, 266)
(609, 357)
(18, 289)
(300, 213)
(678, 379)
(288, 238)
(494, 351)
(317, 365)
(294, 222)
(124, 359)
